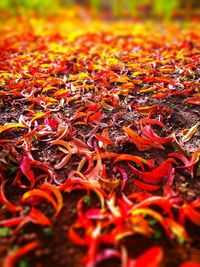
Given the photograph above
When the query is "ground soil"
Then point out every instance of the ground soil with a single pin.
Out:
(57, 245)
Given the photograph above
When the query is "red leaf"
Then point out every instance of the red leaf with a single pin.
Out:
(37, 217)
(14, 221)
(52, 122)
(148, 132)
(150, 258)
(96, 117)
(103, 139)
(25, 166)
(189, 164)
(157, 175)
(193, 100)
(190, 264)
(13, 257)
(145, 186)
(192, 214)
(106, 254)
(148, 139)
(151, 121)
(77, 239)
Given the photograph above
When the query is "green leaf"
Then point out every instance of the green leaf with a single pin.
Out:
(87, 200)
(24, 263)
(181, 240)
(13, 168)
(158, 235)
(184, 185)
(198, 166)
(152, 222)
(4, 231)
(48, 231)
(36, 135)
(15, 248)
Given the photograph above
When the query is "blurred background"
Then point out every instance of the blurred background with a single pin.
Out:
(113, 8)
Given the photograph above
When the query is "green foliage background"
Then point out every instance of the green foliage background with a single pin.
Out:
(163, 8)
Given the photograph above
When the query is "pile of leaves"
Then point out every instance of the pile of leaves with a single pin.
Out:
(99, 143)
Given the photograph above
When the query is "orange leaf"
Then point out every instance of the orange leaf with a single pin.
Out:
(57, 195)
(11, 207)
(11, 125)
(41, 194)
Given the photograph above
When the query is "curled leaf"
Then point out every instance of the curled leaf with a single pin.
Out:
(11, 125)
(190, 132)
(13, 257)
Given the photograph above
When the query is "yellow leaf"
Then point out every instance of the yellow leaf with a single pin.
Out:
(11, 125)
(190, 132)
